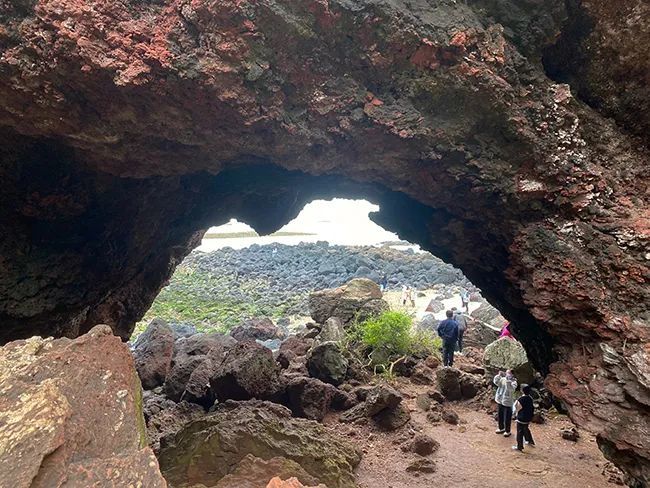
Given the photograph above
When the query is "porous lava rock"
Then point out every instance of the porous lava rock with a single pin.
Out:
(247, 371)
(206, 450)
(71, 414)
(327, 363)
(261, 329)
(309, 398)
(506, 354)
(116, 115)
(152, 352)
(164, 417)
(358, 299)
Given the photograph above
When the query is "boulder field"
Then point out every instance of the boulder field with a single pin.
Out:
(511, 140)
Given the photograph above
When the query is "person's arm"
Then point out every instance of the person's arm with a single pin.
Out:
(497, 379)
(517, 407)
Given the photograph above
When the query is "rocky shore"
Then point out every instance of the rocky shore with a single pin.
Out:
(217, 290)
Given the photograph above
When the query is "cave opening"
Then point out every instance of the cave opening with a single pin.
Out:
(235, 274)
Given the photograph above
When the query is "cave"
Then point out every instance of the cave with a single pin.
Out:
(128, 128)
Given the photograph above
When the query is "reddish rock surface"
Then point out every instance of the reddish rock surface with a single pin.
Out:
(71, 415)
(126, 128)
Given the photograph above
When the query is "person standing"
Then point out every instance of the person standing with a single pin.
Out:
(448, 332)
(383, 284)
(506, 385)
(525, 409)
(464, 298)
(461, 320)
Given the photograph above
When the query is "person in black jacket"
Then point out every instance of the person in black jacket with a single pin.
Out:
(524, 409)
(448, 332)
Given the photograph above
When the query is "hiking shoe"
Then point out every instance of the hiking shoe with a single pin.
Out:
(499, 431)
(507, 434)
(515, 448)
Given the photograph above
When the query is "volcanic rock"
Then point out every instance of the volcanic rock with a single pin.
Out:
(421, 444)
(449, 383)
(71, 412)
(392, 418)
(326, 362)
(381, 397)
(247, 371)
(359, 299)
(506, 354)
(152, 352)
(180, 374)
(207, 450)
(128, 128)
(309, 398)
(164, 417)
(422, 465)
(261, 329)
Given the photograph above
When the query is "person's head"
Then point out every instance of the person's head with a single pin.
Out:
(450, 314)
(508, 373)
(453, 309)
(525, 389)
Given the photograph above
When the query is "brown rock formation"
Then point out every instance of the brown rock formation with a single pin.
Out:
(71, 415)
(127, 127)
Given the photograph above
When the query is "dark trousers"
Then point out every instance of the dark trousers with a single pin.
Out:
(523, 433)
(505, 418)
(448, 348)
(460, 340)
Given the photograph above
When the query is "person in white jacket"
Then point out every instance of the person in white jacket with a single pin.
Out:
(506, 385)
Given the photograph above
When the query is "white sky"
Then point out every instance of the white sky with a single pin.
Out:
(337, 221)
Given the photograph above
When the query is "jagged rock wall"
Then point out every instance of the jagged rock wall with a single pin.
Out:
(126, 128)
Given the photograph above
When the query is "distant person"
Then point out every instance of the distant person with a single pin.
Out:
(524, 411)
(411, 296)
(448, 332)
(404, 295)
(505, 331)
(383, 283)
(506, 385)
(461, 320)
(464, 298)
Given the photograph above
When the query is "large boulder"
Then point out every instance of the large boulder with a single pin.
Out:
(260, 329)
(360, 298)
(152, 352)
(489, 315)
(208, 449)
(479, 334)
(248, 370)
(193, 363)
(326, 362)
(309, 397)
(505, 354)
(71, 415)
(455, 384)
(164, 416)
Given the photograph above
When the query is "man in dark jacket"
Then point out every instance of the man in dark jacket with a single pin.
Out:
(524, 409)
(448, 332)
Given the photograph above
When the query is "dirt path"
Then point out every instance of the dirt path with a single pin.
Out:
(473, 456)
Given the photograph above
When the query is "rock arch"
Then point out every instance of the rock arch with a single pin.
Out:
(127, 127)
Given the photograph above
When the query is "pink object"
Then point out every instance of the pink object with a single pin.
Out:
(505, 331)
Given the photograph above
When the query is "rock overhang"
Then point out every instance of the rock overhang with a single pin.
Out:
(117, 118)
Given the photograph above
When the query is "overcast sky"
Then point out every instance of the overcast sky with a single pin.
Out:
(337, 221)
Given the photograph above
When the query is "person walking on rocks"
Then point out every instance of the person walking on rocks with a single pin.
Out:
(506, 385)
(525, 409)
(464, 298)
(461, 320)
(448, 332)
(383, 284)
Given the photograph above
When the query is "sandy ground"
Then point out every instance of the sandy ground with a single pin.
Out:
(473, 456)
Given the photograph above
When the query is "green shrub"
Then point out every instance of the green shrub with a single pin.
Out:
(388, 337)
(389, 333)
